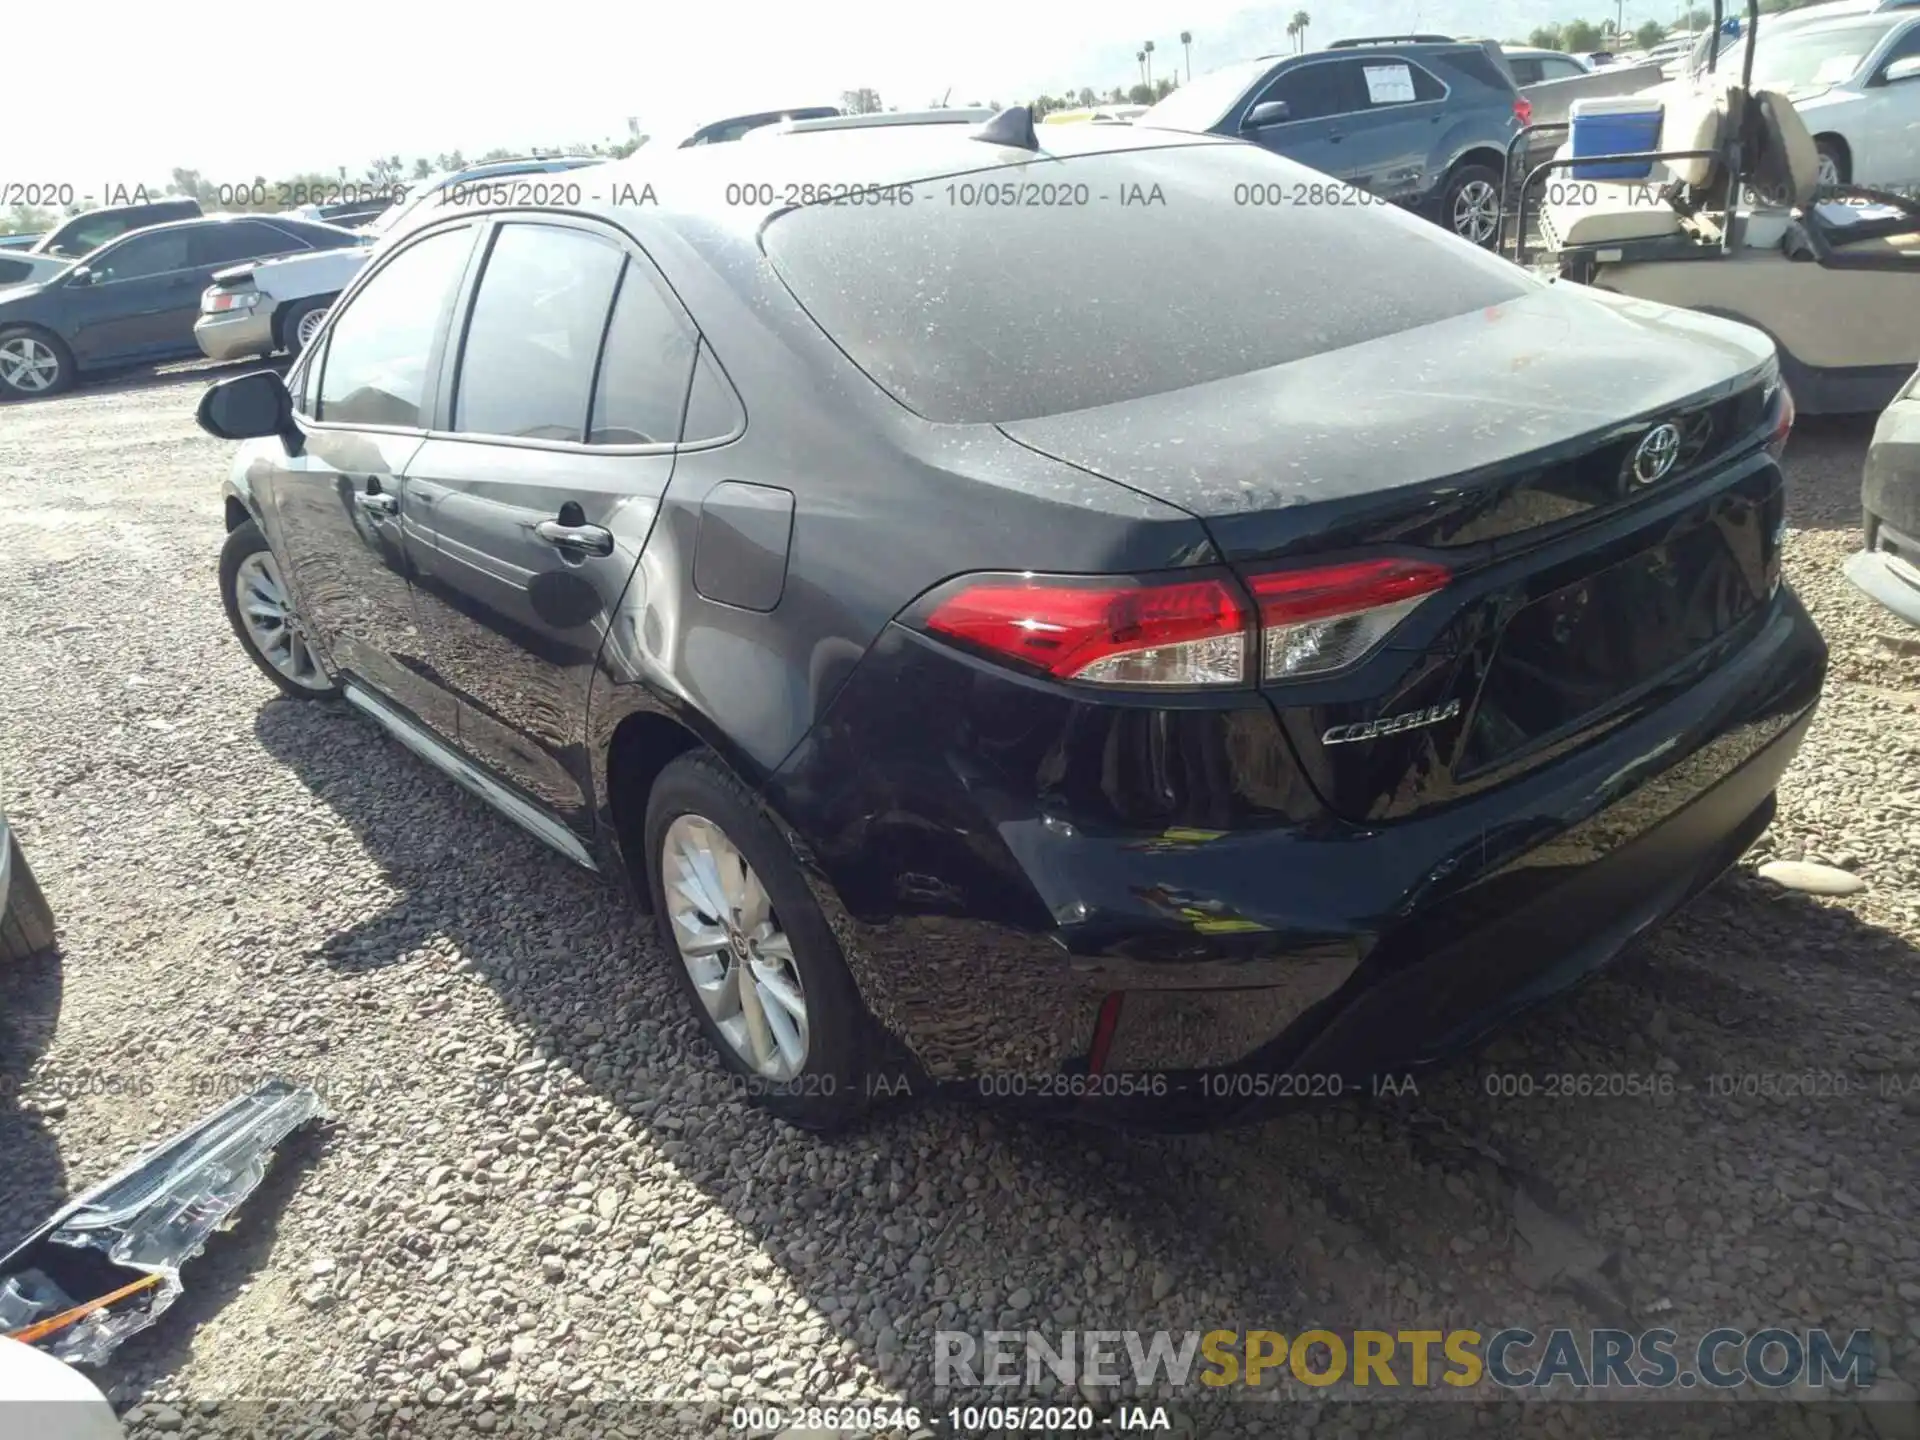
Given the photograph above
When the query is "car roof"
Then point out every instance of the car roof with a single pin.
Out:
(1840, 24)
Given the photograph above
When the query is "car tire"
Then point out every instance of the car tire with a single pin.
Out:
(290, 324)
(26, 928)
(26, 353)
(251, 590)
(1835, 161)
(1470, 207)
(831, 1090)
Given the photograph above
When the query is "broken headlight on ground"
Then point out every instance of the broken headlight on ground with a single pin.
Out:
(108, 1263)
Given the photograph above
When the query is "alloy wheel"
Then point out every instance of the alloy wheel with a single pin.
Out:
(1476, 210)
(308, 326)
(271, 623)
(28, 365)
(736, 953)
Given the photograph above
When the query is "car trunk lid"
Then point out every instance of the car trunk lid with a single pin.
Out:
(1500, 444)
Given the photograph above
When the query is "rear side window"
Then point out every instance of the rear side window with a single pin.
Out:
(645, 367)
(526, 370)
(237, 240)
(1397, 82)
(1526, 70)
(378, 347)
(971, 313)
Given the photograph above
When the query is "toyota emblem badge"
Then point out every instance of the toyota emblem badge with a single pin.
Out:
(1659, 448)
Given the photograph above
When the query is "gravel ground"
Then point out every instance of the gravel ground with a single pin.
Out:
(534, 1187)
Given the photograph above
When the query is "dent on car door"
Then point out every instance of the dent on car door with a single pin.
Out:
(566, 405)
(338, 513)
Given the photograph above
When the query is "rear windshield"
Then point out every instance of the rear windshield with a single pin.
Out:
(1064, 284)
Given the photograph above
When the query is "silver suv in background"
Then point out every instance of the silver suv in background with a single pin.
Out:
(268, 305)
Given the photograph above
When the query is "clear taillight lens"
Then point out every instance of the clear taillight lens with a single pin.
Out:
(1106, 631)
(1318, 620)
(215, 302)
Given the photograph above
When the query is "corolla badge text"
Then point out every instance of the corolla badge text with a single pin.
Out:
(1392, 725)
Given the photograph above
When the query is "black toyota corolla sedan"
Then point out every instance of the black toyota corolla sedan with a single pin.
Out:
(1020, 619)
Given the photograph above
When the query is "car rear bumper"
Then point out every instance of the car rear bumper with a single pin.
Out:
(1888, 568)
(1296, 951)
(236, 336)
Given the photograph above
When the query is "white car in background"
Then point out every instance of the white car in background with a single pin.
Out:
(269, 305)
(1855, 80)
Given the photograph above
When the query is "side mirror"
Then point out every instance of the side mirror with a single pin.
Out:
(1267, 112)
(247, 407)
(1906, 68)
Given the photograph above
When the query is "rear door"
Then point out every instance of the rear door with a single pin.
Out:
(566, 400)
(1389, 139)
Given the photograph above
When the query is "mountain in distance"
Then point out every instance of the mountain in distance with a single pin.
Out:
(1262, 30)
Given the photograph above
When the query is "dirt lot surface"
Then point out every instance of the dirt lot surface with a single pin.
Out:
(536, 1200)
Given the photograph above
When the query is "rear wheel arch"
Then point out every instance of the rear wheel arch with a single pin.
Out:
(237, 514)
(642, 745)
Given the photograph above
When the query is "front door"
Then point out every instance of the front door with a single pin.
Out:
(537, 505)
(338, 515)
(138, 296)
(1318, 96)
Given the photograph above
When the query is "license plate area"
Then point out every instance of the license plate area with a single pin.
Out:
(1566, 659)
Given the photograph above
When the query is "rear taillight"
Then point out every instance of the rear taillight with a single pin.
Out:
(1184, 633)
(1103, 631)
(1523, 110)
(216, 302)
(1325, 618)
(1780, 412)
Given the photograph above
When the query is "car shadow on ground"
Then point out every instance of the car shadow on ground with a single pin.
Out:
(35, 1175)
(1308, 1214)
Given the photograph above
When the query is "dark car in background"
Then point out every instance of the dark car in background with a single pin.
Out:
(1376, 651)
(135, 299)
(87, 232)
(1421, 120)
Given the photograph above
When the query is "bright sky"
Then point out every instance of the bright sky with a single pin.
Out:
(386, 76)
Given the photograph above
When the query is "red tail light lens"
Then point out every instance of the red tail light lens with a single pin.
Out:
(1317, 620)
(1780, 407)
(1104, 631)
(1523, 110)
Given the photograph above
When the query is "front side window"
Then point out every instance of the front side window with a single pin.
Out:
(526, 369)
(379, 346)
(1313, 92)
(144, 255)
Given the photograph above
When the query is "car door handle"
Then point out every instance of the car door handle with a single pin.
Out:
(378, 503)
(580, 539)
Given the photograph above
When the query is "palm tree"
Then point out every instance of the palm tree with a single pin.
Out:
(1186, 44)
(1300, 22)
(1293, 35)
(1140, 58)
(1147, 50)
